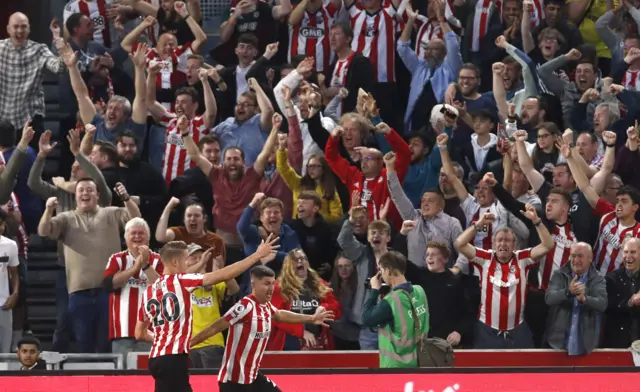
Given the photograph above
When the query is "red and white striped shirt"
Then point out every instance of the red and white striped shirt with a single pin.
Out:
(96, 11)
(564, 239)
(374, 37)
(250, 326)
(311, 36)
(339, 75)
(426, 32)
(631, 80)
(611, 236)
(175, 159)
(123, 303)
(473, 212)
(166, 304)
(174, 69)
(503, 288)
(153, 32)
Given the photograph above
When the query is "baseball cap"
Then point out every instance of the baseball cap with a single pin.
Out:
(193, 248)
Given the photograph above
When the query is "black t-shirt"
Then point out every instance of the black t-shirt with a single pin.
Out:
(307, 303)
(585, 222)
(259, 22)
(177, 26)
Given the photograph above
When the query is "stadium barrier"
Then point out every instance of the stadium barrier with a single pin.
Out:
(371, 380)
(464, 358)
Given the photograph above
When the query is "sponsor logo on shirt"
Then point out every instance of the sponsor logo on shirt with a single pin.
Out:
(312, 32)
(370, 31)
(564, 241)
(204, 302)
(262, 335)
(175, 139)
(613, 239)
(139, 283)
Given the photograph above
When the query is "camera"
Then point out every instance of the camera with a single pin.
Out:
(384, 288)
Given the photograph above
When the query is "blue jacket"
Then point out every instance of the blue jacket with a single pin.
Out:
(421, 73)
(248, 232)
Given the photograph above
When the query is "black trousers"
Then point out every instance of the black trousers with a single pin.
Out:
(171, 373)
(261, 384)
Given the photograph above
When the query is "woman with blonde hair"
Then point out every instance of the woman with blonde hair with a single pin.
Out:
(300, 289)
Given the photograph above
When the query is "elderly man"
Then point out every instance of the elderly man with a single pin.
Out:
(126, 277)
(90, 235)
(22, 65)
(503, 277)
(439, 66)
(577, 297)
(623, 315)
(369, 181)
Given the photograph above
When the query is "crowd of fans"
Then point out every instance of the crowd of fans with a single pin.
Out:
(498, 151)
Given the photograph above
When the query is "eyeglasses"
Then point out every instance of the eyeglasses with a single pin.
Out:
(543, 135)
(314, 166)
(370, 158)
(244, 105)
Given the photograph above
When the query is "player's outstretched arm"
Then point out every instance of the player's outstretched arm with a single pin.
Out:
(320, 317)
(220, 325)
(229, 272)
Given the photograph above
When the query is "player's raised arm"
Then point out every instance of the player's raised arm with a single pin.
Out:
(264, 251)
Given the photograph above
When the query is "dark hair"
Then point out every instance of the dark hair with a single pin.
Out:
(262, 271)
(234, 148)
(472, 67)
(556, 2)
(8, 134)
(86, 179)
(537, 156)
(199, 205)
(336, 282)
(485, 114)
(310, 195)
(631, 192)
(346, 28)
(73, 21)
(248, 39)
(108, 149)
(394, 261)
(437, 191)
(422, 134)
(511, 60)
(190, 91)
(29, 339)
(127, 133)
(207, 139)
(566, 195)
(327, 181)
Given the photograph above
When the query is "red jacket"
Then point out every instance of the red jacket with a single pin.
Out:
(353, 177)
(279, 331)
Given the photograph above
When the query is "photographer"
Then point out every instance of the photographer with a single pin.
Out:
(396, 314)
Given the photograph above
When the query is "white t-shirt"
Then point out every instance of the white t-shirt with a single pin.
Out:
(8, 258)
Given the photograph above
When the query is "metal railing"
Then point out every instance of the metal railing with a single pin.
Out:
(57, 361)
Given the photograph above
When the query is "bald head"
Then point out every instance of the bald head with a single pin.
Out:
(581, 257)
(18, 28)
(631, 254)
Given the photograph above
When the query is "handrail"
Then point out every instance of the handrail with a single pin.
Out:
(54, 359)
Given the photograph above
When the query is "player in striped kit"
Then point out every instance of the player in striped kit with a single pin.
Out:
(166, 307)
(250, 326)
(309, 25)
(503, 282)
(617, 222)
